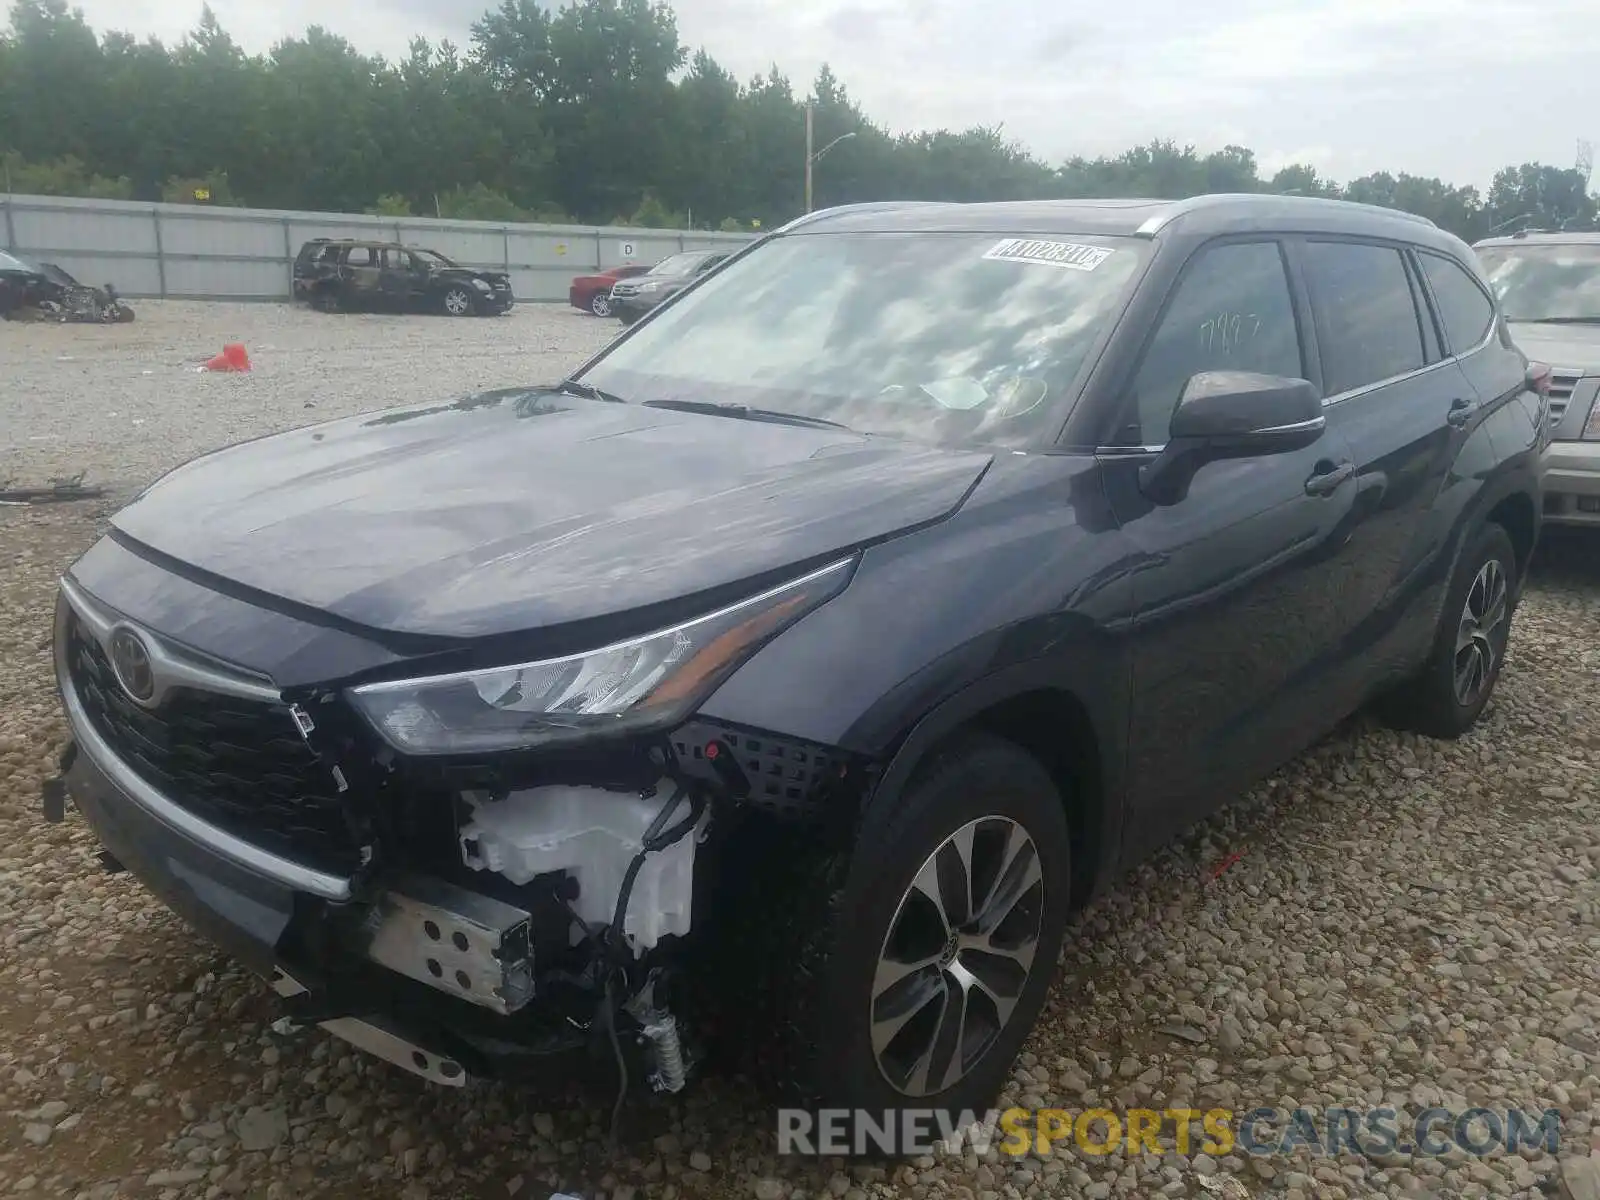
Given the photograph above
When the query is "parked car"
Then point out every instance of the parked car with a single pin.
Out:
(783, 680)
(592, 293)
(632, 298)
(43, 291)
(341, 273)
(1549, 286)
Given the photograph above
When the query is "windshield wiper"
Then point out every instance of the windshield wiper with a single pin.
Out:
(718, 408)
(1554, 320)
(588, 391)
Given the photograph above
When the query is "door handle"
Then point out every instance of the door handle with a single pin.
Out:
(1461, 412)
(1324, 483)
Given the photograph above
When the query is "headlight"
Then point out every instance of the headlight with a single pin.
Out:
(642, 683)
(482, 285)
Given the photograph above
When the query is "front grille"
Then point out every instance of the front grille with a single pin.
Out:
(236, 763)
(1562, 385)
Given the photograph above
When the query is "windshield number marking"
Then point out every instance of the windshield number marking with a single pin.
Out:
(1070, 255)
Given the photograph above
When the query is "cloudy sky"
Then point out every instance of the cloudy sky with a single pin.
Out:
(1453, 88)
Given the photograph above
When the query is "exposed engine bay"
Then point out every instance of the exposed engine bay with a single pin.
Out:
(558, 915)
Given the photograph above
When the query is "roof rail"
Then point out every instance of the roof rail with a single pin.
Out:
(861, 207)
(1210, 200)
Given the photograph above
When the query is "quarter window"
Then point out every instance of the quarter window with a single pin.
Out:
(1464, 309)
(1231, 312)
(1367, 319)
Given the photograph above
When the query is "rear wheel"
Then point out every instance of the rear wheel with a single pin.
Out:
(600, 305)
(457, 302)
(1445, 698)
(919, 985)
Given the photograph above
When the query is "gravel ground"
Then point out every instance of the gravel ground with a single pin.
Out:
(127, 401)
(1407, 922)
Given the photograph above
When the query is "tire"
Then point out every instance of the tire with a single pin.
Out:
(325, 300)
(457, 302)
(1469, 646)
(600, 304)
(999, 794)
(124, 314)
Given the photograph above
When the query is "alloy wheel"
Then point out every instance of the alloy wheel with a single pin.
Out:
(1482, 615)
(600, 306)
(457, 303)
(957, 956)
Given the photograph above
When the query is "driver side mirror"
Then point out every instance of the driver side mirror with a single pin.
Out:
(1231, 414)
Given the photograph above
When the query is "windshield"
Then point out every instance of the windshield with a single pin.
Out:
(1551, 282)
(9, 262)
(679, 264)
(433, 258)
(949, 338)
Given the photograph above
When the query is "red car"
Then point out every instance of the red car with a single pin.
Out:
(592, 293)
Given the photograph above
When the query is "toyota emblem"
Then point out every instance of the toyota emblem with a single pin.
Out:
(131, 662)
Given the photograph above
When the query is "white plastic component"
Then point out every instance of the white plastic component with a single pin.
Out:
(592, 834)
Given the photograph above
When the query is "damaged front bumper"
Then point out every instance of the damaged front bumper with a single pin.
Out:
(556, 916)
(476, 943)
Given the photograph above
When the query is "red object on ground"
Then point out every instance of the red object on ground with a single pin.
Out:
(1227, 862)
(234, 357)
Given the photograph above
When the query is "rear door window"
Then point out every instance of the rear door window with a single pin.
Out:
(1232, 311)
(1368, 326)
(1466, 311)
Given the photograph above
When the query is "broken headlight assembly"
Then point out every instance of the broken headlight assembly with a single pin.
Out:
(643, 683)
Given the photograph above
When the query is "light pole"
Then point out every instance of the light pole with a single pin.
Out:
(811, 158)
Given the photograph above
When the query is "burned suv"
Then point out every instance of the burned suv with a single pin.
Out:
(781, 681)
(333, 274)
(45, 292)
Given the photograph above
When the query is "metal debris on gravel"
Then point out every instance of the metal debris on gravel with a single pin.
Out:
(1415, 923)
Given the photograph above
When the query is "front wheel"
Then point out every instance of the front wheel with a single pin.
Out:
(921, 984)
(458, 302)
(600, 306)
(1445, 698)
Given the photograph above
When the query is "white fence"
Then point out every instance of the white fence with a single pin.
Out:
(184, 251)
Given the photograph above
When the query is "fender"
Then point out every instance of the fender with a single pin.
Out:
(1519, 477)
(1101, 820)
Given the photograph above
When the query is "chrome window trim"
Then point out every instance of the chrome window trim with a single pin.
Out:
(1327, 401)
(1352, 393)
(1488, 337)
(1317, 422)
(203, 833)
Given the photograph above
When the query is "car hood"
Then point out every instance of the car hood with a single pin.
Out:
(635, 282)
(1558, 345)
(518, 510)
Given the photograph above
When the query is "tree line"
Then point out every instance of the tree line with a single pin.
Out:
(594, 111)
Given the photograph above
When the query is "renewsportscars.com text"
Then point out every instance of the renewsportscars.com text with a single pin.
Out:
(1433, 1132)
